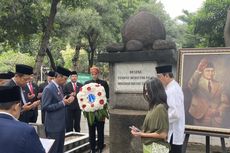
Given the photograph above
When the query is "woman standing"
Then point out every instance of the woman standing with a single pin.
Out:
(156, 124)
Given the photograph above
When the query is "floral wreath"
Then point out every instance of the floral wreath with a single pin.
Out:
(93, 102)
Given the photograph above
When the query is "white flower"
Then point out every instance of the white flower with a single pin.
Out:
(92, 97)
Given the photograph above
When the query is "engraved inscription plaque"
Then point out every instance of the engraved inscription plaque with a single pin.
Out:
(130, 77)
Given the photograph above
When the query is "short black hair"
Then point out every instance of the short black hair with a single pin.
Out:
(7, 106)
(170, 74)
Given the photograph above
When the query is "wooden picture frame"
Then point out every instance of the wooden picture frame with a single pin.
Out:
(207, 103)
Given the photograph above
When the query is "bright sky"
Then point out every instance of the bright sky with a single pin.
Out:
(175, 7)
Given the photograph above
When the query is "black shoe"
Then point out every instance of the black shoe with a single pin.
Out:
(100, 151)
(92, 151)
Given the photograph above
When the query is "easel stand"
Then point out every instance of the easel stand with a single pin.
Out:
(207, 135)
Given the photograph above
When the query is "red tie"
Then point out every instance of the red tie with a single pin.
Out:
(74, 87)
(31, 88)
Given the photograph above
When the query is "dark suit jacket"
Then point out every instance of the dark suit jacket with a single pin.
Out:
(103, 83)
(35, 88)
(52, 104)
(202, 99)
(68, 89)
(11, 83)
(18, 137)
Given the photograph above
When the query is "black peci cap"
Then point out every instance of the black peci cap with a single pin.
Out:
(210, 65)
(9, 94)
(164, 69)
(51, 74)
(24, 69)
(63, 71)
(7, 75)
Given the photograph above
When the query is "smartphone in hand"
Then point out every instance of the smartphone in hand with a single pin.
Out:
(135, 128)
(67, 96)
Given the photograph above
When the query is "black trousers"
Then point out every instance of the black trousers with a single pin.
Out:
(58, 145)
(43, 116)
(29, 116)
(175, 148)
(73, 119)
(99, 126)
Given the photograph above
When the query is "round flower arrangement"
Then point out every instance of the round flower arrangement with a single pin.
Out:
(93, 102)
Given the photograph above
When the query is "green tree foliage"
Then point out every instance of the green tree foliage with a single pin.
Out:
(206, 27)
(92, 27)
(90, 24)
(67, 55)
(99, 23)
(20, 22)
(189, 39)
(129, 7)
(10, 58)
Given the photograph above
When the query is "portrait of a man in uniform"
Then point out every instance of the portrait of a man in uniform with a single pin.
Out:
(206, 88)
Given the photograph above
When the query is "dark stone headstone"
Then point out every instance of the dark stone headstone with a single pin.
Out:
(127, 105)
(163, 44)
(134, 45)
(145, 48)
(121, 140)
(143, 27)
(143, 31)
(115, 47)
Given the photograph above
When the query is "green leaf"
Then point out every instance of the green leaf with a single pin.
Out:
(91, 117)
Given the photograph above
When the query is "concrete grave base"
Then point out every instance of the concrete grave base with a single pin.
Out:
(120, 120)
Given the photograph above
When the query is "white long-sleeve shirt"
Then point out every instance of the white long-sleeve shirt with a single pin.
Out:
(175, 100)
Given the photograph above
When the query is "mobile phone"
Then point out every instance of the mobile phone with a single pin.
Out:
(135, 128)
(67, 96)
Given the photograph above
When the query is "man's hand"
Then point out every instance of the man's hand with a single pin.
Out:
(73, 94)
(39, 95)
(202, 65)
(27, 106)
(36, 103)
(30, 96)
(69, 100)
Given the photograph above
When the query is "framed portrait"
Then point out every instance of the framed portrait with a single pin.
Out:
(204, 75)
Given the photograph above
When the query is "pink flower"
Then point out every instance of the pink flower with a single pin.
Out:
(88, 88)
(83, 106)
(101, 101)
(99, 93)
(92, 105)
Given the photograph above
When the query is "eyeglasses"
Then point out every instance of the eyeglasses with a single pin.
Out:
(26, 79)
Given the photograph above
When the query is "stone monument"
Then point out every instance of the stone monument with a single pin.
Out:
(131, 63)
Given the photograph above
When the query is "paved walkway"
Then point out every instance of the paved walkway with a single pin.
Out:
(196, 143)
(84, 126)
(84, 129)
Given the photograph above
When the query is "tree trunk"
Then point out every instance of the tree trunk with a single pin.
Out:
(91, 62)
(49, 54)
(227, 30)
(92, 37)
(45, 39)
(76, 57)
(88, 52)
(91, 52)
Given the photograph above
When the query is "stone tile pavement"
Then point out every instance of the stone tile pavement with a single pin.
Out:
(84, 129)
(195, 145)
